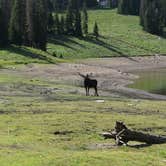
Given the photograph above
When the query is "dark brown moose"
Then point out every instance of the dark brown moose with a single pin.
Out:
(89, 83)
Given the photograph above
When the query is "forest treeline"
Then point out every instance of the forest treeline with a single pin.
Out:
(24, 22)
(63, 4)
(153, 16)
(28, 22)
(152, 13)
(72, 22)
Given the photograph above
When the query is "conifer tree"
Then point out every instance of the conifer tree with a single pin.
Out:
(143, 8)
(17, 23)
(50, 22)
(96, 30)
(85, 19)
(62, 25)
(152, 16)
(69, 19)
(50, 16)
(57, 28)
(129, 7)
(2, 28)
(5, 9)
(40, 24)
(3, 31)
(78, 28)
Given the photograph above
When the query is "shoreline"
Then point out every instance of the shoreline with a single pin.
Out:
(126, 67)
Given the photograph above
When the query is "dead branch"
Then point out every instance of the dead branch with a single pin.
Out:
(123, 135)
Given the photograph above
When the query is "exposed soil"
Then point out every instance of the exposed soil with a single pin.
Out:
(113, 74)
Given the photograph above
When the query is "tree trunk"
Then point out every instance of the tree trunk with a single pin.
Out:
(123, 135)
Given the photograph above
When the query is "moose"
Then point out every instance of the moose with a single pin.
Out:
(89, 83)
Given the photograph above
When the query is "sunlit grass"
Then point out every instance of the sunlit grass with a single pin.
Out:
(119, 36)
(28, 124)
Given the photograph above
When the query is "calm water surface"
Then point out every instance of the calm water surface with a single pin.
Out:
(153, 81)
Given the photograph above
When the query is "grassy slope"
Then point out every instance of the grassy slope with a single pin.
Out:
(121, 35)
(27, 126)
(23, 55)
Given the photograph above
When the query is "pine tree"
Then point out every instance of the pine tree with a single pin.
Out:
(85, 19)
(17, 23)
(78, 28)
(3, 25)
(29, 22)
(143, 8)
(50, 22)
(123, 6)
(57, 28)
(5, 11)
(69, 19)
(152, 16)
(62, 25)
(40, 14)
(91, 3)
(96, 30)
(50, 16)
(2, 28)
(129, 7)
(113, 3)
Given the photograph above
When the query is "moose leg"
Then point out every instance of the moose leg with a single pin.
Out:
(96, 92)
(86, 91)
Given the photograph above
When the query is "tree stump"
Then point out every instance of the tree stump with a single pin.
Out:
(123, 135)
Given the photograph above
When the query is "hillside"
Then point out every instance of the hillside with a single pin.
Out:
(14, 55)
(120, 36)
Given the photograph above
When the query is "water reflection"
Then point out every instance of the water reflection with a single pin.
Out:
(153, 81)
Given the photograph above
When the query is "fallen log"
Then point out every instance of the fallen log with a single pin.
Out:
(123, 135)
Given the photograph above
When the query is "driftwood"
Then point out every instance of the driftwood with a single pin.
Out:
(123, 135)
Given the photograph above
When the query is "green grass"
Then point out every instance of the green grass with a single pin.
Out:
(29, 119)
(14, 55)
(120, 36)
(27, 136)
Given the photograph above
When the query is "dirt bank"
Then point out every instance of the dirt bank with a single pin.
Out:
(113, 74)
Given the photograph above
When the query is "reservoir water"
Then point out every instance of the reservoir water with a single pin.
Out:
(153, 81)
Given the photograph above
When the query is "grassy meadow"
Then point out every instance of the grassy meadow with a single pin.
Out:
(62, 128)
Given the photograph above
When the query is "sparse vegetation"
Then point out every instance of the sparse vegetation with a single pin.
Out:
(63, 129)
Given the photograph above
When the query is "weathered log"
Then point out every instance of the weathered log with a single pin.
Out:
(123, 135)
